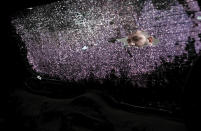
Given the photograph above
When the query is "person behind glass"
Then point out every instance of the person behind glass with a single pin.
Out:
(140, 39)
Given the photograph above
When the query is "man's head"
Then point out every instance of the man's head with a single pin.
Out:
(139, 39)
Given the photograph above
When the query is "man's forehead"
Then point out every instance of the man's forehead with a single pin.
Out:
(144, 33)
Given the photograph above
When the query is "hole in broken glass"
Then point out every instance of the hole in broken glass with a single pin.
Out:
(112, 40)
(111, 22)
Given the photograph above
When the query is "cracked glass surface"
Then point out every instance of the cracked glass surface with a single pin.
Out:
(72, 39)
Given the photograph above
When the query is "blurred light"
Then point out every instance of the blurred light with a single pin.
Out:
(30, 8)
(199, 17)
(85, 48)
(39, 77)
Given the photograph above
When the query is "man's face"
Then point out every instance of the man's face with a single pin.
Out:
(137, 39)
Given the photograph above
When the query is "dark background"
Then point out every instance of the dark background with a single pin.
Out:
(16, 69)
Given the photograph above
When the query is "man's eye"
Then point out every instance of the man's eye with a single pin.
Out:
(135, 38)
(129, 40)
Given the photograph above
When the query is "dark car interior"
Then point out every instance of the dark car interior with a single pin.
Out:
(40, 102)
